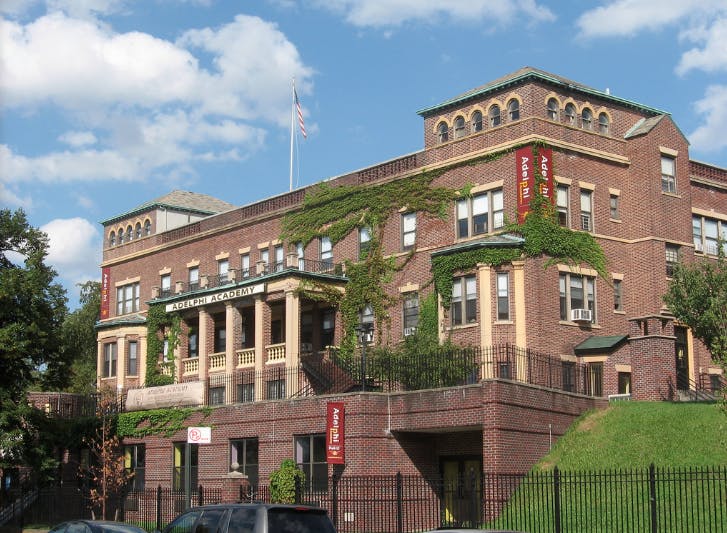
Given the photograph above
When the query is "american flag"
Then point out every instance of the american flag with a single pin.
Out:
(300, 115)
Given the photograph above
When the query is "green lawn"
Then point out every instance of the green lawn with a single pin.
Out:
(636, 434)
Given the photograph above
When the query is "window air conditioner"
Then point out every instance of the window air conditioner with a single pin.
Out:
(580, 315)
(698, 247)
(409, 331)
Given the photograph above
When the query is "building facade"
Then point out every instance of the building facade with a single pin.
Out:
(253, 335)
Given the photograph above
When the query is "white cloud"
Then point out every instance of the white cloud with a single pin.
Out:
(713, 54)
(382, 13)
(78, 138)
(74, 249)
(710, 136)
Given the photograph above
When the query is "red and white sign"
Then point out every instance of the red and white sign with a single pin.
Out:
(335, 434)
(531, 162)
(199, 435)
(105, 291)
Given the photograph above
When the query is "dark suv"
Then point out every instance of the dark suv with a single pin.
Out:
(252, 518)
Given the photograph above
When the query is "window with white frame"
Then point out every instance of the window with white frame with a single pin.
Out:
(410, 303)
(279, 257)
(668, 174)
(603, 124)
(513, 110)
(127, 299)
(614, 206)
(577, 294)
(112, 238)
(223, 269)
(147, 227)
(570, 114)
(265, 258)
(137, 230)
(135, 466)
(244, 453)
(476, 121)
(193, 278)
(480, 213)
(326, 251)
(672, 258)
(245, 265)
(300, 252)
(132, 366)
(707, 232)
(463, 309)
(561, 205)
(442, 132)
(109, 360)
(494, 114)
(618, 295)
(587, 119)
(503, 296)
(459, 129)
(408, 230)
(166, 285)
(553, 109)
(310, 455)
(586, 210)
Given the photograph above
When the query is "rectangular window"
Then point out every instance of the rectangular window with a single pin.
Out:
(408, 230)
(310, 454)
(586, 210)
(617, 295)
(279, 257)
(668, 174)
(132, 368)
(577, 298)
(569, 376)
(220, 336)
(193, 278)
(217, 395)
(411, 312)
(109, 367)
(326, 251)
(561, 205)
(364, 242)
(479, 214)
(672, 258)
(166, 285)
(300, 251)
(245, 265)
(464, 301)
(706, 233)
(246, 392)
(276, 389)
(223, 269)
(244, 454)
(179, 471)
(613, 206)
(503, 296)
(265, 258)
(127, 299)
(594, 375)
(624, 382)
(135, 465)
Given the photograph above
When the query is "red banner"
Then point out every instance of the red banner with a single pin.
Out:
(525, 181)
(529, 161)
(335, 434)
(105, 288)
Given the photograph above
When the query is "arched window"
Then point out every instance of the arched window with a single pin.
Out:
(513, 110)
(112, 238)
(570, 113)
(495, 116)
(477, 121)
(603, 123)
(587, 119)
(443, 132)
(137, 230)
(553, 109)
(459, 130)
(129, 233)
(121, 235)
(147, 227)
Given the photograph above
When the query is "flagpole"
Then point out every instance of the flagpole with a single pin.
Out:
(292, 132)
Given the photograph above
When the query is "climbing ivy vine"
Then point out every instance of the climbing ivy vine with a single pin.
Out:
(158, 320)
(139, 424)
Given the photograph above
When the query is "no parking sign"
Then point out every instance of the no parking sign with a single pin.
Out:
(199, 435)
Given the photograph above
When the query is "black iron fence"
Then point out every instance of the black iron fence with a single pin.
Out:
(640, 500)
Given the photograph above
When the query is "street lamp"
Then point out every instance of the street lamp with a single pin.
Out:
(364, 331)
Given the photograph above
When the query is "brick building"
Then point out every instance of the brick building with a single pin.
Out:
(547, 341)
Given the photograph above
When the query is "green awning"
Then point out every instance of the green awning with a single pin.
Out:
(600, 344)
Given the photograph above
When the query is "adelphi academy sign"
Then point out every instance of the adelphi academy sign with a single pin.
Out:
(221, 296)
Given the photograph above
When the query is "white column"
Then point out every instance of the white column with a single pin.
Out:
(485, 301)
(292, 340)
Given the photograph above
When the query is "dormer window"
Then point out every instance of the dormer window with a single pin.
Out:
(443, 132)
(476, 121)
(459, 130)
(513, 110)
(494, 116)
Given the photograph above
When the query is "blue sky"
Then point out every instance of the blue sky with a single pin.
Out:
(107, 104)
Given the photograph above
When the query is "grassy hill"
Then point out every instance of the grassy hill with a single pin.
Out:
(636, 434)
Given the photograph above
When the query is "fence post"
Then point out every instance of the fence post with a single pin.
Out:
(159, 508)
(200, 495)
(556, 499)
(399, 503)
(652, 496)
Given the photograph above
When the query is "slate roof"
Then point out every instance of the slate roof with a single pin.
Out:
(187, 201)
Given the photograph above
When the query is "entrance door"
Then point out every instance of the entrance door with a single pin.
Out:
(461, 491)
(682, 357)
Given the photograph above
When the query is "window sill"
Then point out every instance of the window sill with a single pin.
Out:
(671, 194)
(463, 326)
(503, 323)
(617, 312)
(579, 324)
(616, 220)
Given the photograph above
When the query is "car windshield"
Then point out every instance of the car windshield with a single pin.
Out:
(298, 520)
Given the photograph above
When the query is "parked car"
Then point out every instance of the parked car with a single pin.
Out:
(470, 530)
(95, 526)
(252, 518)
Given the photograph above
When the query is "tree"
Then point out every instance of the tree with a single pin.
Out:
(697, 296)
(79, 339)
(286, 482)
(106, 473)
(32, 308)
